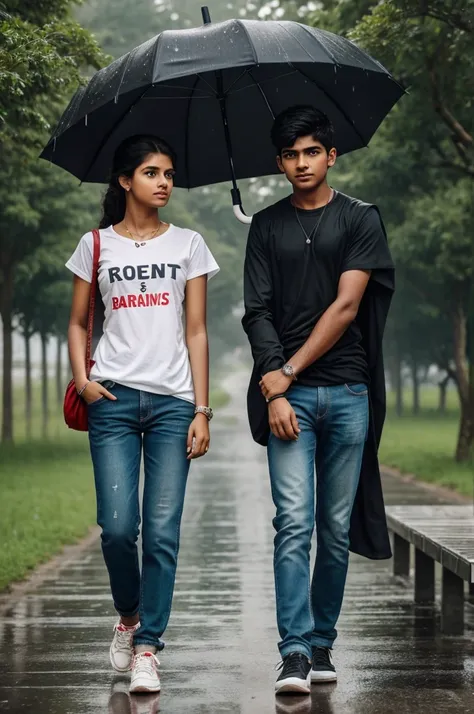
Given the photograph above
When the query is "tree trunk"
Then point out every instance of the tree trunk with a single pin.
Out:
(59, 371)
(6, 307)
(28, 384)
(396, 382)
(463, 447)
(416, 387)
(464, 384)
(44, 386)
(443, 390)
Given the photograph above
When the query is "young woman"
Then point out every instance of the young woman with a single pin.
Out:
(148, 390)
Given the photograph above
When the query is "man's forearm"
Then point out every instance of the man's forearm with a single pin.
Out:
(327, 331)
(266, 347)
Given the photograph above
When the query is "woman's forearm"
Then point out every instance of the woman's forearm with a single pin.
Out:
(198, 349)
(77, 343)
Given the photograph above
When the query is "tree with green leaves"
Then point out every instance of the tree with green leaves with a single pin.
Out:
(43, 52)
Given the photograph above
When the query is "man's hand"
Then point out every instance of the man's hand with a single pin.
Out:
(283, 421)
(274, 383)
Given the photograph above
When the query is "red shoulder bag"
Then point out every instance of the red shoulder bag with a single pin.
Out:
(75, 408)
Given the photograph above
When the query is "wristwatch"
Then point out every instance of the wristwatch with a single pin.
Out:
(289, 371)
(207, 411)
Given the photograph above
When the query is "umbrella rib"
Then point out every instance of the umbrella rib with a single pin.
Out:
(263, 94)
(334, 101)
(267, 81)
(127, 62)
(229, 89)
(109, 134)
(329, 54)
(186, 136)
(208, 84)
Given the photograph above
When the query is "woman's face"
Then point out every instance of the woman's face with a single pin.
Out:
(152, 182)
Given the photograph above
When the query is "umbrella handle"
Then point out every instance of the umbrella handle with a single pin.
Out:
(239, 212)
(241, 216)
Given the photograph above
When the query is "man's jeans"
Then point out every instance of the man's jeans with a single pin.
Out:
(118, 430)
(333, 423)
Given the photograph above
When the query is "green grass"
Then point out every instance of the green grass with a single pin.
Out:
(424, 445)
(47, 501)
(46, 485)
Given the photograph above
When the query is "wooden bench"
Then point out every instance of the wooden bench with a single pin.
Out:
(442, 534)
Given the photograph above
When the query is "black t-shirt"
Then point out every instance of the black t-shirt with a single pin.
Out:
(289, 284)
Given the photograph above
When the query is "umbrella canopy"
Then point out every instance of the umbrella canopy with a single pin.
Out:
(212, 93)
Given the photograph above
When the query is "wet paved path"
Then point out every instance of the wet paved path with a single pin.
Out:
(221, 639)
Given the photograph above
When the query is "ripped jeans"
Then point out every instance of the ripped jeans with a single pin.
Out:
(118, 432)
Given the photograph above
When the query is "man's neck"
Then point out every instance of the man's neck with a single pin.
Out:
(309, 200)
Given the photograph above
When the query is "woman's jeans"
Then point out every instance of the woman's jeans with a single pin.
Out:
(117, 432)
(333, 423)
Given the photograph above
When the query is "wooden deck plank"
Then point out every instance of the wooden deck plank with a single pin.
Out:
(443, 532)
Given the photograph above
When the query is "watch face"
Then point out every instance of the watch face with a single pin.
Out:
(288, 370)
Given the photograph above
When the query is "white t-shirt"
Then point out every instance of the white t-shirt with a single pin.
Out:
(143, 287)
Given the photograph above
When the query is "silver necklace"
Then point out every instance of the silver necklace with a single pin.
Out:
(310, 237)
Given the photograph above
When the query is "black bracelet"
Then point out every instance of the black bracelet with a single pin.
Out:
(276, 396)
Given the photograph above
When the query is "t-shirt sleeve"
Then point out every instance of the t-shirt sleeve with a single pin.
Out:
(201, 261)
(368, 248)
(80, 262)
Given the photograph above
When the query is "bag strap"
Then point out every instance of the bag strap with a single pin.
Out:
(92, 296)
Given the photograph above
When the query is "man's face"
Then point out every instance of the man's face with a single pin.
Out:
(306, 163)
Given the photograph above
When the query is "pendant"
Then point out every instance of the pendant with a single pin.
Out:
(308, 241)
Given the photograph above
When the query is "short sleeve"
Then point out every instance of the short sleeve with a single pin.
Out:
(202, 261)
(368, 247)
(80, 262)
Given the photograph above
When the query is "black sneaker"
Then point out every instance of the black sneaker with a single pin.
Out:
(295, 675)
(323, 669)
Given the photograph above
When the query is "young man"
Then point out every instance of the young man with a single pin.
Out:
(317, 285)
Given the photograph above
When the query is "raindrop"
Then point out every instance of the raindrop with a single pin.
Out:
(176, 49)
(85, 120)
(54, 144)
(353, 88)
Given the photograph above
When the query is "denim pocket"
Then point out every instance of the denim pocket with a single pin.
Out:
(357, 390)
(97, 401)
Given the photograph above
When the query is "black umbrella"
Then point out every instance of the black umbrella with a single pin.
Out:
(212, 93)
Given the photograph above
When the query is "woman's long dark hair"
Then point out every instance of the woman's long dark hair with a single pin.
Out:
(129, 155)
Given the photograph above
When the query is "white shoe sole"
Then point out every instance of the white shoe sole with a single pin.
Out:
(144, 686)
(323, 677)
(294, 685)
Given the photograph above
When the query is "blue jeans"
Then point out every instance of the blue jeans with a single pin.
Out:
(118, 432)
(334, 424)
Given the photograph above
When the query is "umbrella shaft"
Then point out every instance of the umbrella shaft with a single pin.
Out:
(222, 103)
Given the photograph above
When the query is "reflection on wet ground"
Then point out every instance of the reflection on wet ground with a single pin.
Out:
(221, 641)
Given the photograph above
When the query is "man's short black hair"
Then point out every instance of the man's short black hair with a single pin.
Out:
(302, 120)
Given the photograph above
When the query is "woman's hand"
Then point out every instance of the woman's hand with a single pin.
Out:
(198, 437)
(95, 391)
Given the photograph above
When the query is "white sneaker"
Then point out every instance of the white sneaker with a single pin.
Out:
(145, 676)
(121, 649)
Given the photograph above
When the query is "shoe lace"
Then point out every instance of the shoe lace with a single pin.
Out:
(321, 656)
(145, 662)
(291, 662)
(123, 640)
